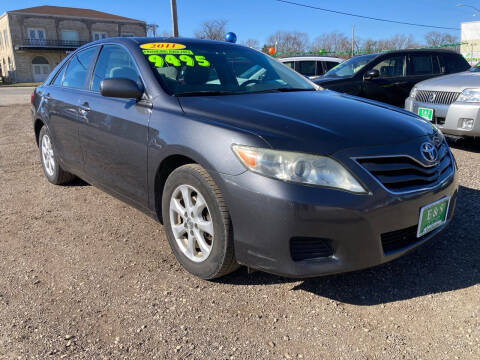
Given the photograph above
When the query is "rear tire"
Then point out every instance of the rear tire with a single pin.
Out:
(48, 156)
(197, 223)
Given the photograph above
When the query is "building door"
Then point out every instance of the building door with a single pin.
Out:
(40, 68)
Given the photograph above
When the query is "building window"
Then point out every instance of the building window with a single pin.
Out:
(1, 42)
(97, 35)
(69, 36)
(36, 36)
(128, 35)
(5, 38)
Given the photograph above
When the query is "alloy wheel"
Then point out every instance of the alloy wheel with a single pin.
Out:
(191, 223)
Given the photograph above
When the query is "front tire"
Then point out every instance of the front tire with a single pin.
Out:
(51, 168)
(197, 223)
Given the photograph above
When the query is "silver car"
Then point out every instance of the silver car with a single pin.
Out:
(451, 102)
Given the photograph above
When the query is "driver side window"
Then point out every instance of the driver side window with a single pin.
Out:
(114, 62)
(391, 67)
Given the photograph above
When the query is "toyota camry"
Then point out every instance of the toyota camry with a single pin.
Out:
(244, 161)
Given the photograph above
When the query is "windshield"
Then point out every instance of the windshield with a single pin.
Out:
(185, 68)
(475, 68)
(350, 67)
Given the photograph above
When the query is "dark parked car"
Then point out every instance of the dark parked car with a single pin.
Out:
(266, 172)
(389, 77)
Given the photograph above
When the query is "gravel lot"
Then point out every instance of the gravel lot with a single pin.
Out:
(85, 276)
(10, 95)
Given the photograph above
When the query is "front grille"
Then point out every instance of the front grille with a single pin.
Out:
(436, 97)
(399, 239)
(404, 174)
(303, 248)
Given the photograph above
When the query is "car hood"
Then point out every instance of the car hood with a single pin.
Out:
(313, 122)
(453, 82)
(324, 80)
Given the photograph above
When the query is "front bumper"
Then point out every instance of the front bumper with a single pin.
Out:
(268, 213)
(449, 118)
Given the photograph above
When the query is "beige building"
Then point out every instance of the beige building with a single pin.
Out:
(34, 40)
(470, 39)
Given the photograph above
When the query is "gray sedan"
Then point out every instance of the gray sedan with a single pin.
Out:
(451, 102)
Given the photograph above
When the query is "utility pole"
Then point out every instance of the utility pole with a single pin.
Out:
(353, 40)
(173, 4)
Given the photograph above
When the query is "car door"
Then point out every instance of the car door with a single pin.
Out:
(391, 85)
(114, 131)
(61, 98)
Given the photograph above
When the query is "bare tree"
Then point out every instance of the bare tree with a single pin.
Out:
(289, 42)
(212, 29)
(253, 43)
(333, 42)
(152, 29)
(435, 38)
(396, 42)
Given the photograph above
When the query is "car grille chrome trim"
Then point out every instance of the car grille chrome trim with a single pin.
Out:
(400, 174)
(437, 97)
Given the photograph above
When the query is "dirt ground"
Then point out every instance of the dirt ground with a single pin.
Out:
(84, 276)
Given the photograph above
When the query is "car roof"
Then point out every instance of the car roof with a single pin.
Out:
(409, 51)
(143, 40)
(303, 58)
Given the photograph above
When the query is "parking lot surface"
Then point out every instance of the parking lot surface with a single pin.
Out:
(84, 276)
(10, 95)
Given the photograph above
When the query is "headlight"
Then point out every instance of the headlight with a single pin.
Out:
(413, 93)
(469, 95)
(298, 168)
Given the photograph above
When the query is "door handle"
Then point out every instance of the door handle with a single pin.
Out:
(84, 109)
(47, 97)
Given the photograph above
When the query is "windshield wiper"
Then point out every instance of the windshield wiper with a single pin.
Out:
(207, 93)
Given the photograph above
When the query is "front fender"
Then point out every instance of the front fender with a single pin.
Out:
(206, 142)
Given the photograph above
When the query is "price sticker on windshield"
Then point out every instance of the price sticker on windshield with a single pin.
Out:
(162, 54)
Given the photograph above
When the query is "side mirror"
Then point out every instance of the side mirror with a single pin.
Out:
(121, 88)
(371, 74)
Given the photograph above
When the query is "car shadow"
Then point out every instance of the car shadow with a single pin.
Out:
(467, 144)
(77, 182)
(448, 262)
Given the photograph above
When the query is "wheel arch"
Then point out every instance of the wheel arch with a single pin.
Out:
(37, 126)
(166, 167)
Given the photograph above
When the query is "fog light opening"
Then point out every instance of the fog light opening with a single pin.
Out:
(466, 124)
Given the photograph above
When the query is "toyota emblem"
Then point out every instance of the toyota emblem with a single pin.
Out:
(431, 97)
(429, 152)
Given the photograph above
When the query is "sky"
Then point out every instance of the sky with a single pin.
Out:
(260, 18)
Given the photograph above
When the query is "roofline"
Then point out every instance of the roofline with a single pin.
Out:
(74, 17)
(310, 56)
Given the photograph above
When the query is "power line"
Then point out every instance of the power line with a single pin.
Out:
(364, 17)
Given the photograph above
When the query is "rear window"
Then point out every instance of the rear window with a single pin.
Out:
(307, 68)
(453, 63)
(59, 77)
